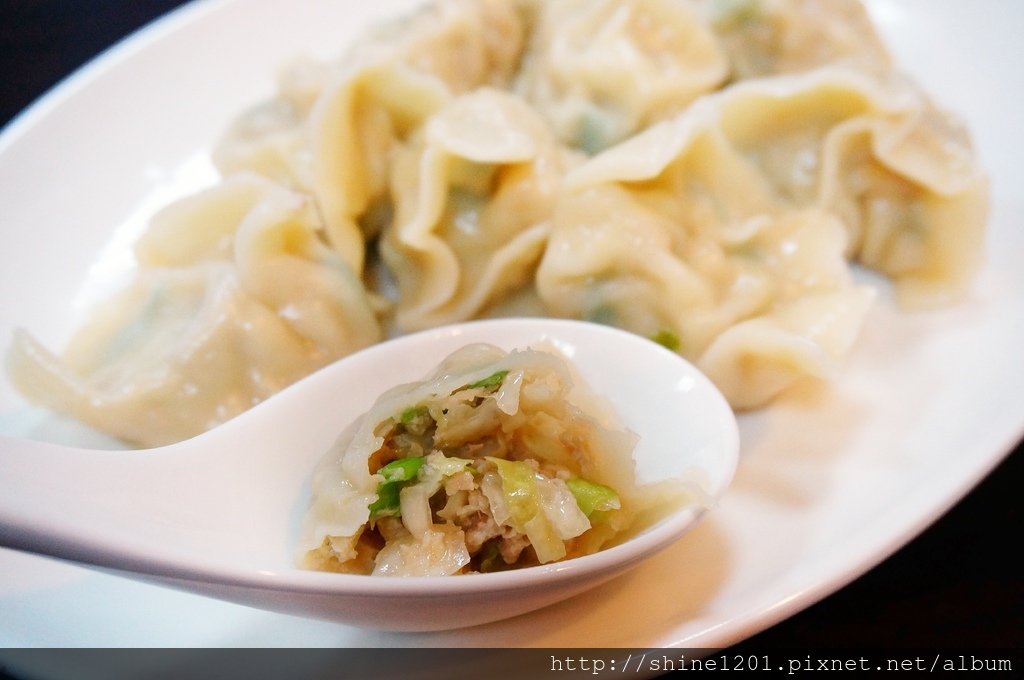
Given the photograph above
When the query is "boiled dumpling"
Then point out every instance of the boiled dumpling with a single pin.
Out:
(600, 70)
(273, 139)
(473, 195)
(771, 37)
(615, 258)
(390, 84)
(725, 231)
(898, 173)
(215, 321)
(493, 461)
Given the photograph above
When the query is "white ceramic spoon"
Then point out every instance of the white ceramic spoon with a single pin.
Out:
(219, 514)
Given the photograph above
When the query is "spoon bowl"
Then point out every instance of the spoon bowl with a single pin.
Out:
(220, 513)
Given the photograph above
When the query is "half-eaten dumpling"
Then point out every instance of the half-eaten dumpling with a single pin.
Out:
(485, 465)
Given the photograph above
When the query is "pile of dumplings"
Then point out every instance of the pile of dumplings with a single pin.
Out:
(700, 172)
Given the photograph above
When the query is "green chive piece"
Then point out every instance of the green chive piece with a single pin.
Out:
(396, 474)
(412, 413)
(602, 314)
(401, 470)
(667, 339)
(388, 501)
(491, 382)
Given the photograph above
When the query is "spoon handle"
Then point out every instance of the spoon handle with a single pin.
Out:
(163, 511)
(42, 487)
(98, 507)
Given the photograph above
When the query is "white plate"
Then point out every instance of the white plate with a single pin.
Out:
(831, 481)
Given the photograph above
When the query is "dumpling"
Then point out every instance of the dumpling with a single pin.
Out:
(898, 172)
(488, 463)
(599, 70)
(473, 194)
(808, 336)
(216, 320)
(332, 126)
(914, 199)
(725, 231)
(389, 85)
(771, 37)
(272, 139)
(614, 258)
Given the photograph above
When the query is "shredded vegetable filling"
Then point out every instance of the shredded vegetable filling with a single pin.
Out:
(485, 466)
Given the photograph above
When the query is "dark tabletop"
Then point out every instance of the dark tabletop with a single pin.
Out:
(957, 586)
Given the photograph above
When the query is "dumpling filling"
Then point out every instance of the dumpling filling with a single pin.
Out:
(486, 465)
